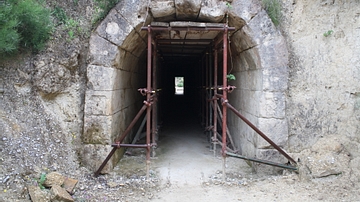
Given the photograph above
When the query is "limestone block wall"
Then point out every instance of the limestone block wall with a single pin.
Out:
(115, 73)
(259, 61)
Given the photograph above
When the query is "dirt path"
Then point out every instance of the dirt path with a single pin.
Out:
(188, 171)
(184, 157)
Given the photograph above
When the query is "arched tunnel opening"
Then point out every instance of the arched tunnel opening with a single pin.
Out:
(185, 53)
(119, 65)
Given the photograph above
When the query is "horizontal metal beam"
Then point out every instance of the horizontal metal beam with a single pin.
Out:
(189, 28)
(184, 46)
(131, 145)
(289, 167)
(184, 40)
(181, 55)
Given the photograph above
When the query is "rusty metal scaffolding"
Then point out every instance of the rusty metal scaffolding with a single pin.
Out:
(209, 76)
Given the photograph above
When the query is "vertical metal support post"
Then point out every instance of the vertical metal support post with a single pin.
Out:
(215, 100)
(210, 90)
(224, 106)
(202, 93)
(154, 107)
(148, 110)
(207, 85)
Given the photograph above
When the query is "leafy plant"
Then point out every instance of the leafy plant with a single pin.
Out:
(231, 77)
(328, 33)
(273, 9)
(229, 5)
(71, 26)
(41, 181)
(24, 24)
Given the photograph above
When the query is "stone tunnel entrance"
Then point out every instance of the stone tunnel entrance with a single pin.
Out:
(257, 57)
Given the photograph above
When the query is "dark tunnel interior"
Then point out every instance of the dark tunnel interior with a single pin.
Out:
(191, 53)
(174, 109)
(178, 108)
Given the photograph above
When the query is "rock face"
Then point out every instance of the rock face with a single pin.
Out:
(323, 94)
(327, 157)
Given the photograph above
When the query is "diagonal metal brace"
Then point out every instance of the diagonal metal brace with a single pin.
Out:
(289, 167)
(117, 145)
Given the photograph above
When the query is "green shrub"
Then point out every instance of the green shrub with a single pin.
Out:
(24, 24)
(9, 37)
(273, 9)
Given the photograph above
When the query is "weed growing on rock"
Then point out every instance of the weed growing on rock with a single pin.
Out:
(229, 5)
(231, 77)
(273, 9)
(71, 26)
(328, 33)
(103, 8)
(41, 181)
(60, 15)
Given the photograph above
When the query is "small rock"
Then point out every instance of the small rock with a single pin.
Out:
(69, 184)
(54, 178)
(38, 195)
(59, 194)
(112, 184)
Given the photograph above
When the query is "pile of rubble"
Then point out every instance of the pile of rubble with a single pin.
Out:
(55, 187)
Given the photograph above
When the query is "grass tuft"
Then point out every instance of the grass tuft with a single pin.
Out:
(273, 9)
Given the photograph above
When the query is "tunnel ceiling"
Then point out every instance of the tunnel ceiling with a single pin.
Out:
(177, 40)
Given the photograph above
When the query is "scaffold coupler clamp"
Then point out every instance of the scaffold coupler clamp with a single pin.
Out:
(230, 89)
(117, 145)
(144, 91)
(224, 102)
